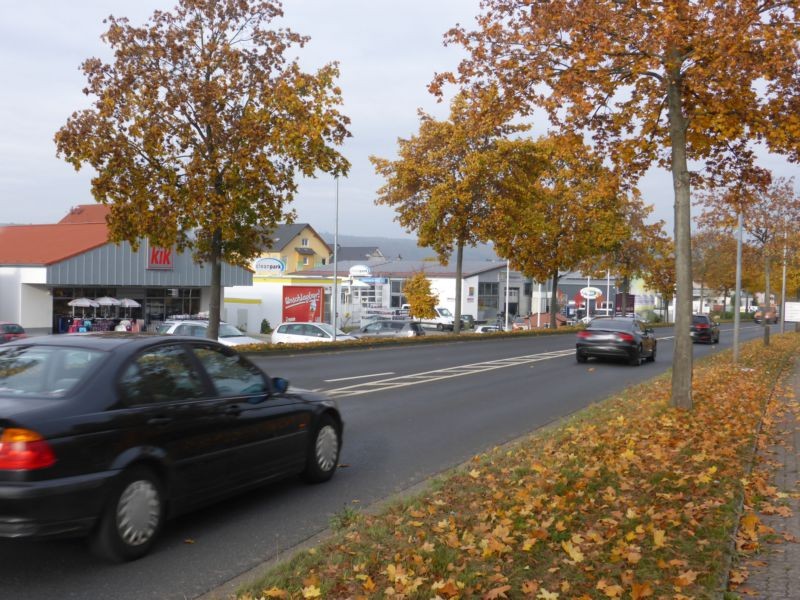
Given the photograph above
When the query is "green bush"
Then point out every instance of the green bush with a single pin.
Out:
(265, 326)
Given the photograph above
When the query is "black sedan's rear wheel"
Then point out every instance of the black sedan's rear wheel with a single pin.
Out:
(636, 357)
(132, 517)
(652, 357)
(323, 453)
(580, 356)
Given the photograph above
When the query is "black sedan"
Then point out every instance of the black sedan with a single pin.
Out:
(621, 337)
(107, 435)
(704, 329)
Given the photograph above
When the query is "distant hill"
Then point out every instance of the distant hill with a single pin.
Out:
(406, 247)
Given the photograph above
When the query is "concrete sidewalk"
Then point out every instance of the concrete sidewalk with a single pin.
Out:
(775, 572)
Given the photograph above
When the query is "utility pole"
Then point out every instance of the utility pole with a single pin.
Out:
(738, 301)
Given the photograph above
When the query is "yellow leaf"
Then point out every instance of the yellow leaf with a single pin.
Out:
(659, 538)
(368, 585)
(686, 578)
(274, 593)
(545, 595)
(474, 473)
(311, 592)
(574, 553)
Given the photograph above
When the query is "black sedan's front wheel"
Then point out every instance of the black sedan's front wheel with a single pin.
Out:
(323, 454)
(132, 517)
(635, 359)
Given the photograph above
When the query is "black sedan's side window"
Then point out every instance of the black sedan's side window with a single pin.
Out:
(161, 374)
(231, 374)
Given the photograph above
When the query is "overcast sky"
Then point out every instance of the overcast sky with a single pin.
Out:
(388, 51)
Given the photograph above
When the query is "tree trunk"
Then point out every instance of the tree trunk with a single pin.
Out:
(554, 301)
(624, 304)
(767, 303)
(214, 305)
(459, 266)
(682, 355)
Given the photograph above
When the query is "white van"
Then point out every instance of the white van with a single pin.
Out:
(443, 320)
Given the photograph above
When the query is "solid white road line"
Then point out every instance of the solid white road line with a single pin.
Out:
(358, 377)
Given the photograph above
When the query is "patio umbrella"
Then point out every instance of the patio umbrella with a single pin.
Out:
(128, 303)
(106, 301)
(82, 303)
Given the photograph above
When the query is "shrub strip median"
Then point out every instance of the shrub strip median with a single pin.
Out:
(630, 498)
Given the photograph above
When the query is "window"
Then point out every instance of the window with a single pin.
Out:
(161, 374)
(397, 299)
(305, 261)
(45, 371)
(232, 375)
(304, 242)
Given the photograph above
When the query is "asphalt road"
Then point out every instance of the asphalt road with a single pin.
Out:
(410, 412)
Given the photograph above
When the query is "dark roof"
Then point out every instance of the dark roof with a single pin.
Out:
(304, 250)
(407, 268)
(358, 253)
(283, 235)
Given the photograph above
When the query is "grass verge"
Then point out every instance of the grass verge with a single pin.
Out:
(630, 498)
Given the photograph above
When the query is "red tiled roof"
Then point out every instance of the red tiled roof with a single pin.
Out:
(48, 244)
(86, 213)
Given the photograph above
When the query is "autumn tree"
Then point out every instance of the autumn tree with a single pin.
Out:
(659, 83)
(631, 254)
(554, 206)
(717, 252)
(438, 183)
(200, 127)
(421, 299)
(660, 273)
(771, 216)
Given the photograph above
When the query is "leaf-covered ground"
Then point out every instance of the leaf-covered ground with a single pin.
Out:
(629, 499)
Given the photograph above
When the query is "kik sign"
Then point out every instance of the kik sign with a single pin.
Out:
(160, 258)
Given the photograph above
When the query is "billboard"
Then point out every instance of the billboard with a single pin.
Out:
(302, 303)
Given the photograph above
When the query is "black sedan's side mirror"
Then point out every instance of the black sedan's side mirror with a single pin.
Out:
(280, 385)
(650, 330)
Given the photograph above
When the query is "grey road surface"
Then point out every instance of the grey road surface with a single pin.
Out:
(410, 412)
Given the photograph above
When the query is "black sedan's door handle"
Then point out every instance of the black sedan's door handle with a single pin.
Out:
(159, 421)
(234, 410)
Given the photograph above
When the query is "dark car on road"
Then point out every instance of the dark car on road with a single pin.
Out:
(467, 322)
(620, 337)
(389, 329)
(107, 435)
(704, 329)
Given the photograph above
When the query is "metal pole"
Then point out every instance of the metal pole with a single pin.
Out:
(737, 304)
(335, 315)
(539, 307)
(508, 280)
(608, 291)
(783, 280)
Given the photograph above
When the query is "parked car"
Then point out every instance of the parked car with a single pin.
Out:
(389, 329)
(704, 329)
(467, 322)
(487, 328)
(228, 334)
(521, 324)
(11, 331)
(620, 337)
(768, 314)
(444, 319)
(304, 333)
(108, 435)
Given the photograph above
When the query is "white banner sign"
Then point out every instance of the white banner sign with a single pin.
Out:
(792, 312)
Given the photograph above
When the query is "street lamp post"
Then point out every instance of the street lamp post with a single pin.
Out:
(737, 304)
(334, 316)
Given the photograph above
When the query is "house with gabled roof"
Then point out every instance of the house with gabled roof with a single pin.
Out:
(295, 247)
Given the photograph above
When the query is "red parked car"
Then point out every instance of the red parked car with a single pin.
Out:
(11, 331)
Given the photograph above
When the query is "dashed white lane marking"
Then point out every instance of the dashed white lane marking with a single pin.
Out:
(367, 387)
(359, 377)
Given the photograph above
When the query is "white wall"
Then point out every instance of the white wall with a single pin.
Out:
(24, 299)
(263, 301)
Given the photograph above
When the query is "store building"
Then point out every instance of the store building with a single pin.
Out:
(45, 267)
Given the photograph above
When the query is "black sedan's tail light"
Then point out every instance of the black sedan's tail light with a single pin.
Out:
(584, 335)
(24, 450)
(625, 337)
